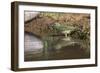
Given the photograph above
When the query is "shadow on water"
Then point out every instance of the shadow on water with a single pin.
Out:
(54, 48)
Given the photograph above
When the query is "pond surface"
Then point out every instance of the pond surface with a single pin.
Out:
(54, 48)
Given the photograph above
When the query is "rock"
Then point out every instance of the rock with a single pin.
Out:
(32, 43)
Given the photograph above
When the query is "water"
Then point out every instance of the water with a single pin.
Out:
(54, 48)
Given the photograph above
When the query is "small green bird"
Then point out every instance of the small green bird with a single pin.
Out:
(63, 29)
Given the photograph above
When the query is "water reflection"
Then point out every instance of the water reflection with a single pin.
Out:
(55, 48)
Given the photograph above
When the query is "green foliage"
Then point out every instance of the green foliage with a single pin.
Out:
(54, 16)
(79, 34)
(63, 22)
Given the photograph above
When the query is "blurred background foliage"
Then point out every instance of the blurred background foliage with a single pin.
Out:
(78, 20)
(53, 23)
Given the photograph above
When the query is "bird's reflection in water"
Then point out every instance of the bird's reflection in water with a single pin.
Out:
(54, 48)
